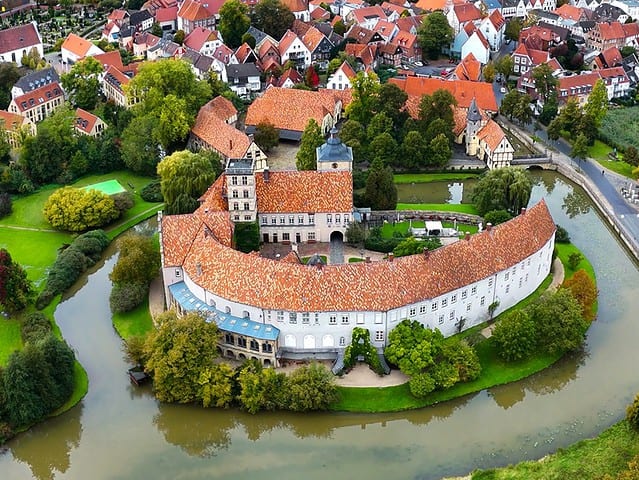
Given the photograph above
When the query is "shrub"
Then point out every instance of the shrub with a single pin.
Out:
(6, 432)
(5, 204)
(92, 244)
(584, 290)
(247, 237)
(574, 259)
(34, 327)
(632, 413)
(75, 209)
(384, 245)
(515, 336)
(134, 350)
(152, 192)
(123, 201)
(126, 296)
(561, 235)
(139, 261)
(496, 217)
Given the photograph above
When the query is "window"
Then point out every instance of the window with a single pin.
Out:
(507, 276)
(346, 219)
(273, 220)
(433, 306)
(345, 319)
(311, 235)
(245, 194)
(236, 218)
(305, 319)
(451, 316)
(444, 302)
(332, 320)
(338, 218)
(280, 316)
(528, 263)
(246, 206)
(521, 281)
(329, 218)
(247, 218)
(292, 318)
(311, 218)
(379, 336)
(241, 342)
(441, 319)
(291, 220)
(422, 309)
(264, 220)
(235, 195)
(413, 312)
(233, 180)
(490, 282)
(473, 290)
(507, 288)
(300, 219)
(282, 220)
(482, 301)
(255, 346)
(469, 306)
(526, 279)
(317, 319)
(342, 341)
(267, 348)
(378, 318)
(244, 181)
(286, 237)
(177, 273)
(453, 298)
(228, 339)
(514, 270)
(464, 294)
(236, 206)
(360, 318)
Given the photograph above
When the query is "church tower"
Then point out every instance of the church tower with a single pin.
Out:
(473, 125)
(334, 155)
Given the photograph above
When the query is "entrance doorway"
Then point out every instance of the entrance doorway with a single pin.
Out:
(275, 238)
(265, 237)
(298, 237)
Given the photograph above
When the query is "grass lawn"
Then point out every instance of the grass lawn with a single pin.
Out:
(494, 370)
(431, 177)
(323, 257)
(355, 260)
(388, 229)
(137, 322)
(599, 151)
(440, 207)
(590, 459)
(10, 339)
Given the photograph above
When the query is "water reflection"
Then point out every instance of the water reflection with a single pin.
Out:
(576, 203)
(46, 457)
(436, 192)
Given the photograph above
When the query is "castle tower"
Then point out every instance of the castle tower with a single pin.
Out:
(334, 155)
(473, 125)
(240, 189)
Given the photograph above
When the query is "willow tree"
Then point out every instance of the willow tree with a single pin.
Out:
(502, 189)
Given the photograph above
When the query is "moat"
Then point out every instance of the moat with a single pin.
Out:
(120, 431)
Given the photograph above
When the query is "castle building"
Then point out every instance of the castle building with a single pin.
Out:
(274, 310)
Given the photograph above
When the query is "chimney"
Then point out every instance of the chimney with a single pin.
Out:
(367, 259)
(267, 174)
(489, 227)
(391, 256)
(467, 236)
(523, 210)
(198, 269)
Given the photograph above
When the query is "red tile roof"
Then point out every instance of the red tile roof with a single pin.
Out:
(21, 37)
(319, 14)
(85, 121)
(491, 134)
(39, 96)
(405, 39)
(110, 58)
(463, 91)
(467, 12)
(11, 121)
(469, 69)
(497, 19)
(198, 37)
(611, 31)
(291, 109)
(243, 51)
(376, 286)
(569, 12)
(77, 45)
(118, 16)
(214, 199)
(166, 14)
(306, 191)
(312, 38)
(211, 127)
(287, 40)
(296, 5)
(364, 53)
(406, 24)
(361, 15)
(193, 10)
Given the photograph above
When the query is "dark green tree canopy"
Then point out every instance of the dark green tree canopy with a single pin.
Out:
(312, 138)
(502, 189)
(234, 22)
(272, 17)
(435, 33)
(15, 288)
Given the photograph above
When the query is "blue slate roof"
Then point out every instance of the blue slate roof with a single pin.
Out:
(224, 321)
(492, 4)
(334, 150)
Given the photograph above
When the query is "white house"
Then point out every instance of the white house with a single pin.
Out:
(17, 42)
(75, 48)
(292, 48)
(478, 46)
(493, 27)
(342, 77)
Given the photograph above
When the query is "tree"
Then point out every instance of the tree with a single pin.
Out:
(266, 136)
(579, 147)
(33, 60)
(513, 28)
(311, 78)
(632, 413)
(184, 177)
(15, 288)
(495, 217)
(510, 103)
(76, 209)
(392, 100)
(583, 288)
(384, 148)
(138, 262)
(353, 135)
(179, 351)
(523, 112)
(435, 33)
(82, 83)
(554, 129)
(545, 81)
(505, 66)
(413, 246)
(560, 325)
(631, 156)
(311, 387)
(380, 123)
(440, 151)
(381, 191)
(178, 37)
(515, 336)
(234, 22)
(9, 75)
(312, 138)
(502, 189)
(140, 152)
(414, 151)
(216, 386)
(272, 17)
(597, 105)
(355, 234)
(365, 91)
(489, 72)
(156, 30)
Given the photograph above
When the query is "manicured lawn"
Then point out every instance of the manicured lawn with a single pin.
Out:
(135, 323)
(439, 207)
(323, 257)
(599, 151)
(355, 260)
(494, 370)
(564, 250)
(10, 339)
(388, 229)
(431, 177)
(590, 459)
